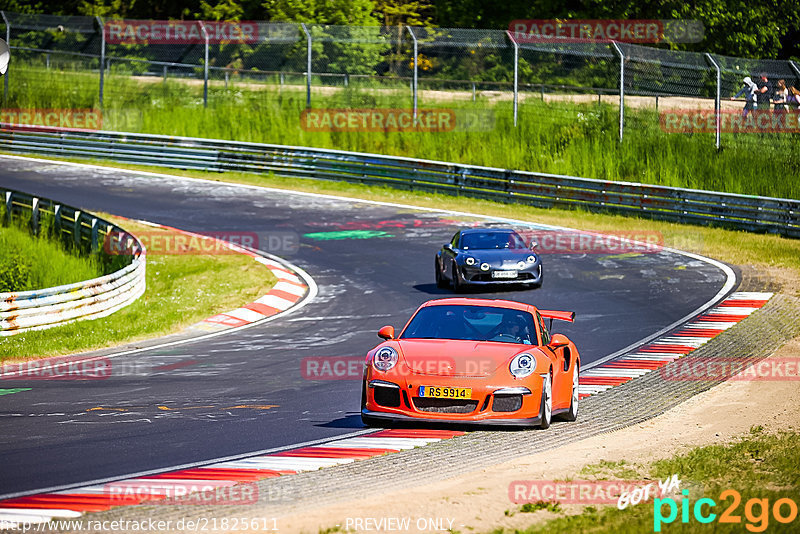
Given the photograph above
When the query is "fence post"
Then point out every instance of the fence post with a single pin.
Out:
(205, 67)
(102, 56)
(621, 88)
(308, 64)
(717, 104)
(8, 42)
(795, 68)
(415, 79)
(516, 75)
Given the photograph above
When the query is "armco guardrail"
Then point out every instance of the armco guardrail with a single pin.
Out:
(92, 299)
(751, 213)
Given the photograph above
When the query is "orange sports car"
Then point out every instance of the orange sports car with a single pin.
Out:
(463, 360)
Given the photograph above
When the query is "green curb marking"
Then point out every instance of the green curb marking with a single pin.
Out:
(13, 390)
(347, 234)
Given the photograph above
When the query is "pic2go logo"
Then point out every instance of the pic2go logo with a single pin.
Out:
(756, 511)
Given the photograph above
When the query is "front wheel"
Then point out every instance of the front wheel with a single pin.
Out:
(366, 419)
(441, 281)
(546, 412)
(572, 414)
(457, 286)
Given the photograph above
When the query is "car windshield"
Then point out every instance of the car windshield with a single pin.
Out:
(492, 240)
(472, 323)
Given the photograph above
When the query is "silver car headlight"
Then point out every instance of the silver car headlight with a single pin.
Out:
(484, 266)
(521, 265)
(470, 261)
(385, 359)
(522, 365)
(531, 259)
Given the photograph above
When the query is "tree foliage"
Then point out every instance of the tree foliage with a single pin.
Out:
(764, 29)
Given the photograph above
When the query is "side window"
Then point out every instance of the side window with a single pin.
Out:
(543, 329)
(454, 241)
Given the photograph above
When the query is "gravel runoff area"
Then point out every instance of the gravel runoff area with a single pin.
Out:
(752, 340)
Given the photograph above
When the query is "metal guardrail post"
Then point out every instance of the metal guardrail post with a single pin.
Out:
(8, 42)
(516, 75)
(102, 57)
(308, 64)
(205, 66)
(621, 88)
(414, 83)
(717, 105)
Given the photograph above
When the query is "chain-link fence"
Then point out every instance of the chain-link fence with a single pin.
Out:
(124, 65)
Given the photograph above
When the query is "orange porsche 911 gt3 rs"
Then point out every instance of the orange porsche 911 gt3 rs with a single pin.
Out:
(464, 360)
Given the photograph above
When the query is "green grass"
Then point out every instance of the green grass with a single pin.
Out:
(758, 466)
(181, 290)
(28, 262)
(555, 137)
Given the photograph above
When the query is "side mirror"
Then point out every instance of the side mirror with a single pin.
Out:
(558, 341)
(534, 244)
(387, 332)
(449, 247)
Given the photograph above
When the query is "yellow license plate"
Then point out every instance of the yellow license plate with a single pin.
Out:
(439, 392)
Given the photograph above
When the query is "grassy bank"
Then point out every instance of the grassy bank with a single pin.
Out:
(555, 137)
(759, 466)
(28, 262)
(181, 290)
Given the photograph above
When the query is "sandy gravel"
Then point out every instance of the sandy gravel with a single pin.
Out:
(478, 501)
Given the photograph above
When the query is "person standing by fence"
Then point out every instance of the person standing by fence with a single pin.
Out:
(749, 92)
(781, 96)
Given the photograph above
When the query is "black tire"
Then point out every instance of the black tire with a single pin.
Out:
(457, 286)
(572, 414)
(441, 281)
(366, 419)
(541, 279)
(546, 411)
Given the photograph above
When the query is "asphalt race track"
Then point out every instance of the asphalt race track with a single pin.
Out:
(373, 265)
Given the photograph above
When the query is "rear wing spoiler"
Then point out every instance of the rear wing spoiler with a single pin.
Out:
(560, 315)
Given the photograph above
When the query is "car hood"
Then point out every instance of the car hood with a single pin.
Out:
(445, 357)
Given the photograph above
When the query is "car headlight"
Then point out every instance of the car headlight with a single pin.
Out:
(531, 259)
(385, 359)
(522, 365)
(470, 261)
(484, 266)
(521, 265)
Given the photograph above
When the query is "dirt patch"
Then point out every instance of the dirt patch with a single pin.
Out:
(479, 501)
